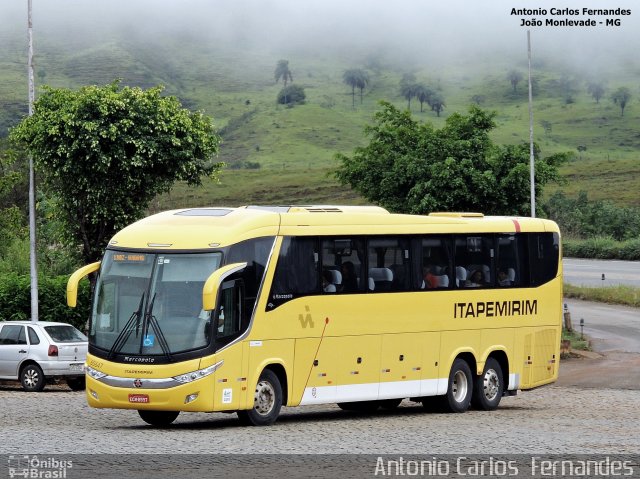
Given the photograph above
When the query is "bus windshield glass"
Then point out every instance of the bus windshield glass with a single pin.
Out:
(151, 303)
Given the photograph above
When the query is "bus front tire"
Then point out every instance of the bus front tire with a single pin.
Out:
(158, 418)
(267, 401)
(460, 387)
(489, 386)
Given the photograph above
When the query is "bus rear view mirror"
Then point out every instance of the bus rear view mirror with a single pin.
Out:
(211, 286)
(74, 279)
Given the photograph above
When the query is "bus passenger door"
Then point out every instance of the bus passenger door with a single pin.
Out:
(230, 379)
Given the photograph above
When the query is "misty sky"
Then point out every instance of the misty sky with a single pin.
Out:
(436, 27)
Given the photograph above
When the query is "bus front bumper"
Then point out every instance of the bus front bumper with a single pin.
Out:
(195, 396)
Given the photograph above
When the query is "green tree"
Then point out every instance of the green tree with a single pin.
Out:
(408, 88)
(621, 97)
(514, 77)
(596, 90)
(104, 152)
(412, 167)
(363, 82)
(436, 102)
(424, 94)
(356, 78)
(282, 71)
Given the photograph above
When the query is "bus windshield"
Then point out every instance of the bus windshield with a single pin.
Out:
(151, 303)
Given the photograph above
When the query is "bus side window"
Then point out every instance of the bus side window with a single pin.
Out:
(511, 267)
(389, 264)
(544, 251)
(474, 261)
(297, 273)
(346, 257)
(435, 266)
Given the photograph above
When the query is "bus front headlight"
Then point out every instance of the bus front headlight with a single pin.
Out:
(199, 374)
(94, 373)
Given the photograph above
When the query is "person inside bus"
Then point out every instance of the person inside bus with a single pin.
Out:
(327, 284)
(429, 279)
(349, 279)
(474, 280)
(503, 278)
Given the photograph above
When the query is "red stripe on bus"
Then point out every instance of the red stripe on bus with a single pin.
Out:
(515, 222)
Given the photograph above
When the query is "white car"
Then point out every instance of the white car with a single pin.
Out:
(39, 352)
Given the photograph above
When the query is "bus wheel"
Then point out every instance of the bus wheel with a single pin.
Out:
(460, 387)
(158, 418)
(489, 386)
(267, 401)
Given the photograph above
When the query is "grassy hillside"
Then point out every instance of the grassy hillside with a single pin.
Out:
(295, 146)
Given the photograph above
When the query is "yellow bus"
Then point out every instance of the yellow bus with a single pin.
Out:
(249, 309)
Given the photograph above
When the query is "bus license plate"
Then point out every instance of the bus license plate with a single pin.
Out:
(76, 367)
(139, 398)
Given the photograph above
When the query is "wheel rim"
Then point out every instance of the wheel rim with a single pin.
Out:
(491, 384)
(265, 398)
(459, 386)
(31, 378)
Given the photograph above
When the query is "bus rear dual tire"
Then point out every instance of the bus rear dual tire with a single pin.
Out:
(489, 386)
(463, 389)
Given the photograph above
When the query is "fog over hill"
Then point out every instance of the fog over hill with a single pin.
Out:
(428, 32)
(219, 56)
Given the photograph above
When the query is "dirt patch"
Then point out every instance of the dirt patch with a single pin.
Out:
(616, 370)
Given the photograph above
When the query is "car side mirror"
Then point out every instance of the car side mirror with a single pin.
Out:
(211, 286)
(74, 279)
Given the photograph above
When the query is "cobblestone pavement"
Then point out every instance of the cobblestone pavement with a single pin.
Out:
(549, 420)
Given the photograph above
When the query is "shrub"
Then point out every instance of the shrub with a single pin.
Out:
(602, 248)
(15, 300)
(291, 95)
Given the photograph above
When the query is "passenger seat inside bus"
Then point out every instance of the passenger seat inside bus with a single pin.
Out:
(461, 276)
(382, 278)
(336, 277)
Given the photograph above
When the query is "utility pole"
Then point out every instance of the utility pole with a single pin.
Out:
(32, 186)
(531, 157)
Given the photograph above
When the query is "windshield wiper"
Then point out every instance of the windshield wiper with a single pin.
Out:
(122, 338)
(150, 319)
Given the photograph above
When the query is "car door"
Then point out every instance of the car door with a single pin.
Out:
(13, 349)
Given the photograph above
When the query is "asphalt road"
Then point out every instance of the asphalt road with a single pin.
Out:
(588, 272)
(612, 328)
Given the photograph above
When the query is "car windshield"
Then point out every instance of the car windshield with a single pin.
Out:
(65, 333)
(151, 304)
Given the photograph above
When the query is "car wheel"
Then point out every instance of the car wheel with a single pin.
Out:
(76, 384)
(266, 403)
(32, 378)
(158, 418)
